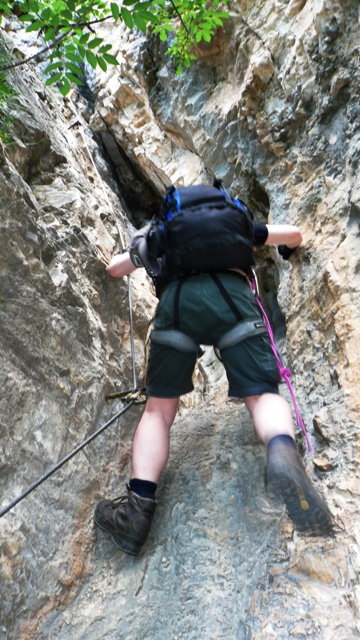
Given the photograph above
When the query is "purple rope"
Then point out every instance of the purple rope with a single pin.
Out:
(285, 373)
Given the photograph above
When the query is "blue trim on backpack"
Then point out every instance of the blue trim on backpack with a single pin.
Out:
(176, 197)
(230, 198)
(173, 201)
(238, 204)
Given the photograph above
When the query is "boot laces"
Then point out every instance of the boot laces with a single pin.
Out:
(118, 501)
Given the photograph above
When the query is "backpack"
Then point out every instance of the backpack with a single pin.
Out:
(201, 228)
(197, 229)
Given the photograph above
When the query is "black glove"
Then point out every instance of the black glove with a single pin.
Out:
(285, 251)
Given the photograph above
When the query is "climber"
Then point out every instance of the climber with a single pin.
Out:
(205, 303)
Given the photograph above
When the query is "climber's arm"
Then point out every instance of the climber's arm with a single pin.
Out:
(283, 234)
(120, 265)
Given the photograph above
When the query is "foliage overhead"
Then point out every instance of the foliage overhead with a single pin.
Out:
(68, 31)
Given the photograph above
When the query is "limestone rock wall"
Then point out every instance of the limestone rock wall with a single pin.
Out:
(272, 108)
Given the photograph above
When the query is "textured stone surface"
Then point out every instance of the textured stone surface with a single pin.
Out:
(272, 108)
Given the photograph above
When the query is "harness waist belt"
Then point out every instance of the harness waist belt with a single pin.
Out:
(174, 338)
(182, 342)
(240, 332)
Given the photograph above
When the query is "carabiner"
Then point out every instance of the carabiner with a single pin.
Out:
(254, 283)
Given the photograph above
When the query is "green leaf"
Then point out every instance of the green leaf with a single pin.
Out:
(127, 17)
(139, 22)
(101, 62)
(49, 35)
(128, 3)
(74, 79)
(84, 38)
(64, 87)
(163, 35)
(115, 10)
(26, 17)
(91, 58)
(148, 16)
(45, 15)
(35, 26)
(53, 78)
(53, 66)
(74, 69)
(71, 4)
(66, 14)
(95, 43)
(81, 51)
(110, 59)
(219, 14)
(105, 48)
(179, 70)
(74, 58)
(142, 5)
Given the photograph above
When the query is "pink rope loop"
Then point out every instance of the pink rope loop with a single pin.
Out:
(284, 373)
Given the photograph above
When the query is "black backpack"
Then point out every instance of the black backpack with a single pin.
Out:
(200, 228)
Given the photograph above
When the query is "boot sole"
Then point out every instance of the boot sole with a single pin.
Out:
(306, 508)
(124, 542)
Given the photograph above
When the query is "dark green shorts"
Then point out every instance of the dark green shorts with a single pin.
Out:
(205, 316)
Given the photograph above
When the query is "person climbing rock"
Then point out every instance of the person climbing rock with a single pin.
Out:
(201, 266)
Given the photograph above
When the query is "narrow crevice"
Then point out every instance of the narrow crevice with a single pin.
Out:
(140, 195)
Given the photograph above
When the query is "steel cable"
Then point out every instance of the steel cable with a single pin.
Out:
(66, 459)
(120, 413)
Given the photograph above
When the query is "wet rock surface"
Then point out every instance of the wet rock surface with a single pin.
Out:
(272, 108)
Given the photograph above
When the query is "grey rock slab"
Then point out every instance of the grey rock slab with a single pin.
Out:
(212, 536)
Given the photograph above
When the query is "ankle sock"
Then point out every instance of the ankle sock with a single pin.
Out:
(143, 488)
(283, 439)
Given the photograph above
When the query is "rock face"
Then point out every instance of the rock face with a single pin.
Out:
(272, 108)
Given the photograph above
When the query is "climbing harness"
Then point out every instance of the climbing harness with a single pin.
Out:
(179, 340)
(174, 338)
(243, 329)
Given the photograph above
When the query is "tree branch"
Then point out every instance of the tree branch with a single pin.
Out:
(36, 55)
(53, 44)
(179, 16)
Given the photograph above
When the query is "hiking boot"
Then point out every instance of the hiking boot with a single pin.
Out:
(127, 520)
(287, 480)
